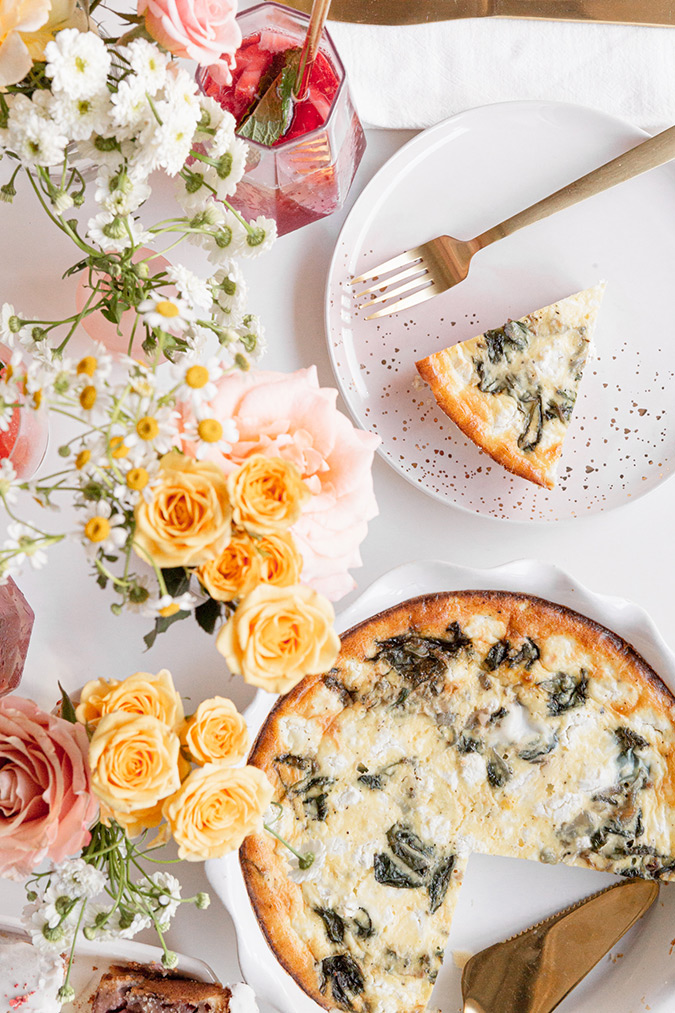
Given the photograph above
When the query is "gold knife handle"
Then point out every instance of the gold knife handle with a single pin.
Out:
(646, 155)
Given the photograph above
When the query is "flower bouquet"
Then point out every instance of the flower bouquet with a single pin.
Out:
(90, 785)
(203, 486)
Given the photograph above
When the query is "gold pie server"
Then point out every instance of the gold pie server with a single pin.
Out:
(534, 971)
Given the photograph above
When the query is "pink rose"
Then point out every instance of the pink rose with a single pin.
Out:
(46, 802)
(201, 30)
(288, 415)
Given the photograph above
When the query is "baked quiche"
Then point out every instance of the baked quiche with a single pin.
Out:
(512, 390)
(459, 722)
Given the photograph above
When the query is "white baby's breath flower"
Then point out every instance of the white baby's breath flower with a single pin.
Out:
(166, 605)
(77, 62)
(191, 287)
(100, 528)
(23, 542)
(261, 238)
(170, 315)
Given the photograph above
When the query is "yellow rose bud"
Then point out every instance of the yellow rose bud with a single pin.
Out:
(141, 693)
(187, 522)
(267, 494)
(235, 572)
(133, 761)
(216, 808)
(281, 561)
(278, 635)
(215, 732)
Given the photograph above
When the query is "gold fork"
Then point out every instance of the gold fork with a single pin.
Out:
(429, 269)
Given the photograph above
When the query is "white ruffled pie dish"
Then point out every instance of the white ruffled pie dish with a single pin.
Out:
(500, 896)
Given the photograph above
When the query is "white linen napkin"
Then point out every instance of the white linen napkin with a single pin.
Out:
(416, 75)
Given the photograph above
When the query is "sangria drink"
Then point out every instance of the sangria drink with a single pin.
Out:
(24, 441)
(305, 172)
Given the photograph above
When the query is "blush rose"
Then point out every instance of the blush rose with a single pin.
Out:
(201, 30)
(46, 798)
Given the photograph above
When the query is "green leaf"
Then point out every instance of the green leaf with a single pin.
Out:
(207, 614)
(162, 624)
(271, 116)
(67, 709)
(177, 580)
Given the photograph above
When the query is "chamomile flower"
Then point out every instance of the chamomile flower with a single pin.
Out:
(115, 233)
(302, 869)
(77, 62)
(98, 363)
(102, 147)
(24, 543)
(197, 378)
(192, 288)
(100, 529)
(228, 291)
(80, 116)
(139, 593)
(166, 605)
(148, 63)
(120, 190)
(76, 878)
(262, 234)
(166, 892)
(166, 314)
(156, 430)
(33, 136)
(137, 482)
(10, 324)
(211, 118)
(209, 434)
(7, 478)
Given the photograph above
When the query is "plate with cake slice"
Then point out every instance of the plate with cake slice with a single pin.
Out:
(110, 977)
(495, 716)
(539, 388)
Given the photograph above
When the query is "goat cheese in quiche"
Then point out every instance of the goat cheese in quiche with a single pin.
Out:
(459, 722)
(512, 390)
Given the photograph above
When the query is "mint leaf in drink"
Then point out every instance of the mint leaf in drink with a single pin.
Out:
(271, 116)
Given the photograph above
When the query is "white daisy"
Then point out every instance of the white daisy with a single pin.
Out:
(261, 237)
(211, 117)
(130, 111)
(114, 233)
(100, 529)
(300, 871)
(148, 63)
(139, 594)
(77, 62)
(7, 478)
(190, 286)
(197, 378)
(228, 290)
(167, 896)
(119, 190)
(33, 137)
(208, 433)
(167, 314)
(10, 324)
(102, 147)
(81, 117)
(76, 878)
(156, 430)
(167, 605)
(229, 168)
(24, 544)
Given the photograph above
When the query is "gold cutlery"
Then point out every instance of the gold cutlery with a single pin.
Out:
(412, 12)
(437, 265)
(534, 971)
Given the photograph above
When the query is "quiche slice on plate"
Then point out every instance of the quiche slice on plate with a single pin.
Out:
(512, 390)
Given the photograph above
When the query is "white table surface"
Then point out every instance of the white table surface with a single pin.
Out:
(629, 552)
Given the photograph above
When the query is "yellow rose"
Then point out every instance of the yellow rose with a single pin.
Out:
(267, 494)
(215, 732)
(235, 572)
(133, 761)
(279, 635)
(187, 521)
(26, 26)
(136, 822)
(216, 808)
(281, 561)
(141, 693)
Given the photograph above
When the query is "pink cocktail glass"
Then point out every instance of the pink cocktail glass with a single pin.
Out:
(307, 173)
(24, 441)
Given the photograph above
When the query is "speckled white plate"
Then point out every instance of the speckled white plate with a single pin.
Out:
(500, 896)
(461, 177)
